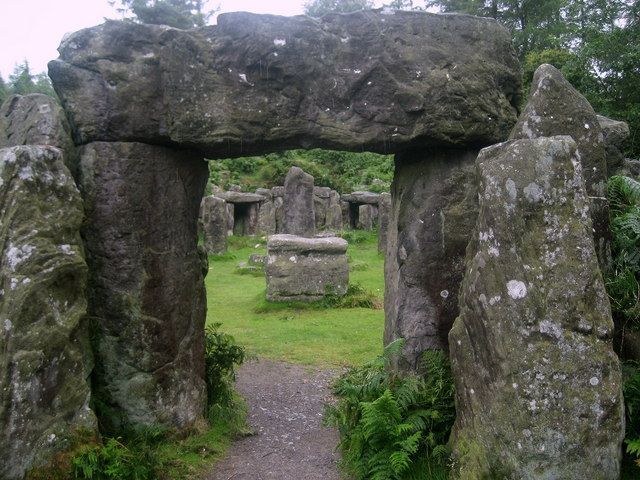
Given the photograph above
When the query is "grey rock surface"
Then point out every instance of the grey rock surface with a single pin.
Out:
(146, 291)
(554, 107)
(214, 221)
(240, 197)
(36, 119)
(333, 220)
(262, 83)
(266, 218)
(305, 269)
(298, 208)
(45, 357)
(362, 198)
(367, 216)
(615, 134)
(538, 386)
(384, 212)
(434, 211)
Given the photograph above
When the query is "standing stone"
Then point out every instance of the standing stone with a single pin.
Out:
(321, 205)
(267, 218)
(365, 217)
(434, 212)
(384, 211)
(214, 221)
(345, 207)
(306, 269)
(556, 108)
(333, 221)
(615, 134)
(299, 216)
(230, 218)
(538, 386)
(45, 357)
(146, 290)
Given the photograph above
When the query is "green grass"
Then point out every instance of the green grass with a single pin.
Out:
(311, 335)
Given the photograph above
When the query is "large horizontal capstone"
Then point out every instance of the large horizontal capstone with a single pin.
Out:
(374, 80)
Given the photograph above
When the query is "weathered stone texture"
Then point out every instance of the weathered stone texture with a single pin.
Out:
(367, 216)
(615, 134)
(434, 212)
(538, 386)
(299, 216)
(305, 269)
(214, 224)
(36, 119)
(267, 218)
(554, 107)
(384, 211)
(260, 83)
(333, 220)
(45, 358)
(146, 291)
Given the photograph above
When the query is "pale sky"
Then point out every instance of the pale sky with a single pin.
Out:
(32, 29)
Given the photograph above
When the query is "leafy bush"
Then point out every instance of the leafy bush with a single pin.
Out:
(133, 458)
(631, 390)
(623, 279)
(222, 355)
(395, 427)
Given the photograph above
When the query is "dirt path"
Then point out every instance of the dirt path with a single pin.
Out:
(285, 410)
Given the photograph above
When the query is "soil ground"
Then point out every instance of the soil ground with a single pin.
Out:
(285, 403)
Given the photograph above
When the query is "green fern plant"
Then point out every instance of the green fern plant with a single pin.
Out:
(394, 427)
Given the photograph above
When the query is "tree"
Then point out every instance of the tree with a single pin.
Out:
(183, 14)
(4, 90)
(21, 80)
(317, 8)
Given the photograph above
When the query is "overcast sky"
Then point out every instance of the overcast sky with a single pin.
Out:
(32, 29)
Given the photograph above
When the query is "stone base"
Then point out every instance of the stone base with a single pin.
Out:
(305, 269)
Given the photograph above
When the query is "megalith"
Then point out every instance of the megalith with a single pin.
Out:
(146, 292)
(306, 269)
(615, 134)
(333, 220)
(554, 107)
(367, 216)
(146, 102)
(45, 358)
(214, 224)
(266, 213)
(36, 119)
(384, 211)
(538, 386)
(299, 210)
(433, 213)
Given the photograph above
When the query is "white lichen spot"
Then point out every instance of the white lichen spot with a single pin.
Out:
(532, 192)
(547, 327)
(533, 405)
(494, 300)
(279, 42)
(357, 71)
(16, 255)
(7, 325)
(586, 125)
(516, 289)
(66, 249)
(512, 191)
(514, 385)
(494, 252)
(444, 293)
(459, 342)
(344, 39)
(243, 79)
(472, 391)
(14, 283)
(293, 259)
(26, 281)
(51, 438)
(594, 381)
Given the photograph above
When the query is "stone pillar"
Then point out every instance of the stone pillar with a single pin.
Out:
(45, 357)
(554, 107)
(214, 225)
(321, 196)
(538, 386)
(230, 218)
(365, 217)
(146, 291)
(299, 216)
(334, 212)
(615, 134)
(384, 211)
(434, 211)
(345, 207)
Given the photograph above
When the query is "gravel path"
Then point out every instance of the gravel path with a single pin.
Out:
(285, 411)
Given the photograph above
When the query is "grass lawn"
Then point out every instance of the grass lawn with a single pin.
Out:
(293, 333)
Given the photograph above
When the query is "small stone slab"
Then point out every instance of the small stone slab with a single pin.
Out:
(362, 197)
(305, 269)
(241, 197)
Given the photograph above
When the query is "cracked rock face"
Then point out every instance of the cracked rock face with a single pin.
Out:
(554, 107)
(538, 386)
(146, 290)
(45, 359)
(262, 83)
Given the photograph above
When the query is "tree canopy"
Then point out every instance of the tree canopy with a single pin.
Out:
(317, 8)
(23, 82)
(183, 14)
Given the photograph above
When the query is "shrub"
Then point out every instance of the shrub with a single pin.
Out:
(631, 390)
(222, 355)
(395, 427)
